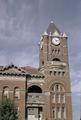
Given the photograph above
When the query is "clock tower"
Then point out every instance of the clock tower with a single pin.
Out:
(53, 63)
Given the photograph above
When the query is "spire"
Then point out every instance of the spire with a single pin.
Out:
(52, 28)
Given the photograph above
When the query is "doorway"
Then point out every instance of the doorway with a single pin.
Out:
(34, 113)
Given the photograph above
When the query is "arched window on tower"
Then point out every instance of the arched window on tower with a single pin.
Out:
(17, 93)
(6, 92)
(56, 60)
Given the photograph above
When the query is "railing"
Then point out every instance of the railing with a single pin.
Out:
(35, 98)
(58, 63)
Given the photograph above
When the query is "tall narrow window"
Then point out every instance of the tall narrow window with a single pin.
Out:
(55, 51)
(62, 89)
(63, 113)
(58, 51)
(63, 98)
(63, 73)
(58, 112)
(58, 99)
(54, 100)
(54, 113)
(55, 73)
(17, 93)
(50, 72)
(6, 92)
(57, 88)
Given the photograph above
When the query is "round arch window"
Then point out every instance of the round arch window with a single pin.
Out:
(34, 89)
(56, 59)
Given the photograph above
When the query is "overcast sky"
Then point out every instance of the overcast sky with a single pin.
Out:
(22, 23)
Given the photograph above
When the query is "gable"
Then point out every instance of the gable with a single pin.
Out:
(12, 69)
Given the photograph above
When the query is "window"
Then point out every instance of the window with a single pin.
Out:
(63, 113)
(6, 92)
(55, 51)
(58, 51)
(54, 72)
(58, 112)
(54, 113)
(58, 100)
(56, 60)
(63, 98)
(42, 62)
(34, 89)
(59, 73)
(57, 87)
(17, 93)
(50, 72)
(63, 73)
(53, 97)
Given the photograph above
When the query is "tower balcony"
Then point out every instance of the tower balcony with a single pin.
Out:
(57, 64)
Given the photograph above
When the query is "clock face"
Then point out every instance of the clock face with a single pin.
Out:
(56, 41)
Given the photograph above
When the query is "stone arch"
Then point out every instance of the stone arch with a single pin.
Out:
(52, 82)
(6, 92)
(17, 92)
(56, 59)
(57, 83)
(34, 89)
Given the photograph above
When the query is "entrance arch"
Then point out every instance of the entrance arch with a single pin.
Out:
(34, 108)
(34, 89)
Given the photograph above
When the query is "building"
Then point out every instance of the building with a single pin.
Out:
(43, 93)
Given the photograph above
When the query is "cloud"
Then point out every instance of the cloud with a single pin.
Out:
(17, 30)
(23, 21)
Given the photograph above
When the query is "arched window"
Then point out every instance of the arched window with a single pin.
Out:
(58, 99)
(17, 93)
(34, 93)
(34, 89)
(6, 92)
(56, 59)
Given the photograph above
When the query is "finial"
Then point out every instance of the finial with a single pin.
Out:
(52, 22)
(41, 38)
(45, 33)
(50, 34)
(64, 35)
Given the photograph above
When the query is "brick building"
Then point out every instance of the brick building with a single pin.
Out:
(43, 93)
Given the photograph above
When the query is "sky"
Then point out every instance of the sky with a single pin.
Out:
(22, 22)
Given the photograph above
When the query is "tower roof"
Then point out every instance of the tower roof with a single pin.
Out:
(52, 29)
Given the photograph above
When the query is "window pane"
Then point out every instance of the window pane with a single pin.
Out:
(17, 93)
(6, 92)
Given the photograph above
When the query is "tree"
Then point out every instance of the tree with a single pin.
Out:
(8, 110)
